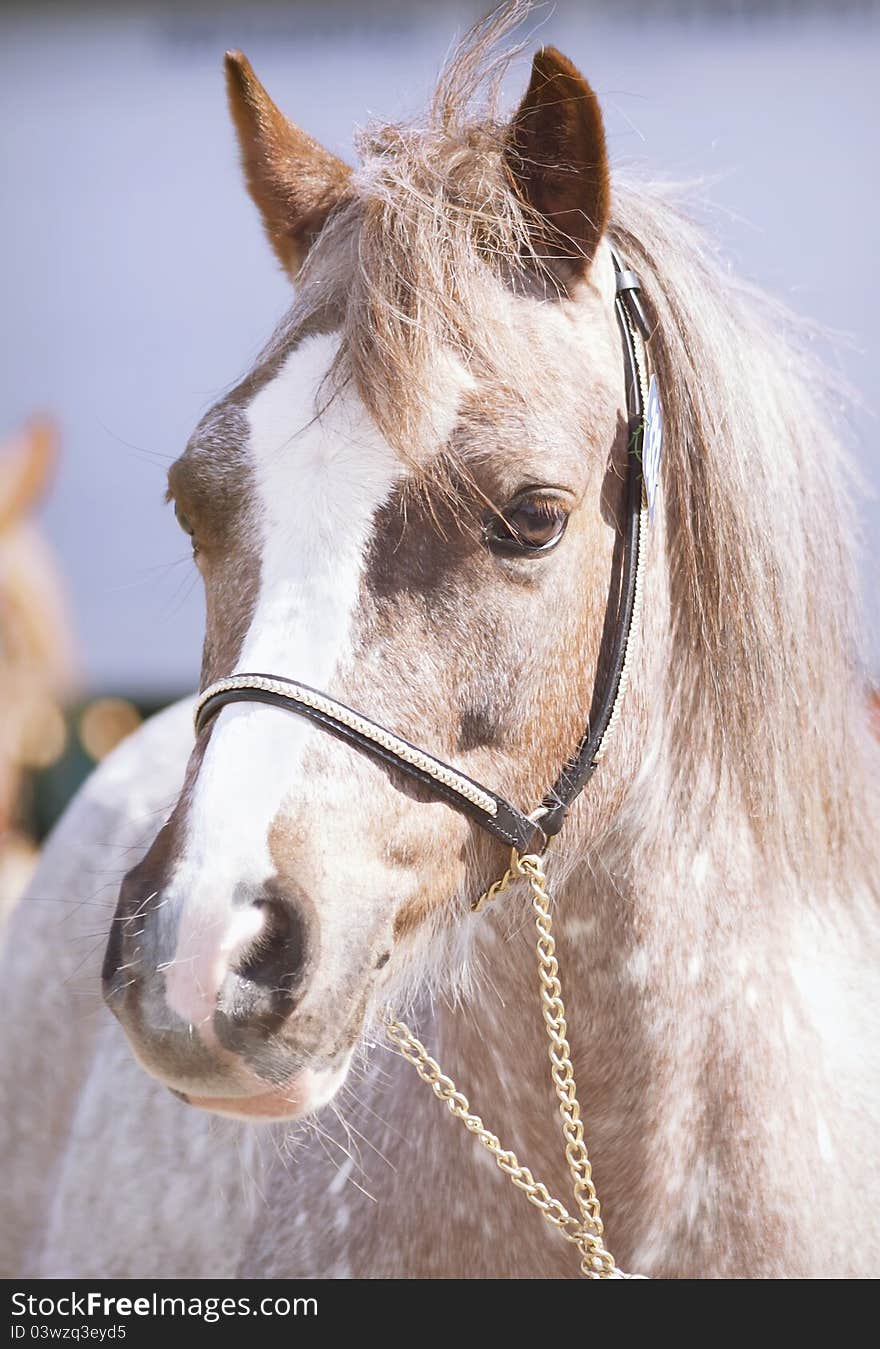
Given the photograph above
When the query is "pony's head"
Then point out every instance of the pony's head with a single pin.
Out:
(411, 502)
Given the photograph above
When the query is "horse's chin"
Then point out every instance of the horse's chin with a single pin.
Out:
(304, 1093)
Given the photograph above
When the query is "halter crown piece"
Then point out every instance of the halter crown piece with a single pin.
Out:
(527, 835)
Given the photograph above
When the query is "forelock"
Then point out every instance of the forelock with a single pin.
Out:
(415, 260)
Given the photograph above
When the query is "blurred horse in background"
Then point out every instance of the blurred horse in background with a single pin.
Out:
(36, 649)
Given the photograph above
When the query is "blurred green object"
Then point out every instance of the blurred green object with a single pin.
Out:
(46, 792)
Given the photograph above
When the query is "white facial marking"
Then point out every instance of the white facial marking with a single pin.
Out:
(318, 484)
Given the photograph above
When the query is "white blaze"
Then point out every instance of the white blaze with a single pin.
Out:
(318, 483)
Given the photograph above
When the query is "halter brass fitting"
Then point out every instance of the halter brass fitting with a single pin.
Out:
(513, 872)
(521, 864)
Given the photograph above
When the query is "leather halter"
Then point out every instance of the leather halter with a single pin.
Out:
(525, 833)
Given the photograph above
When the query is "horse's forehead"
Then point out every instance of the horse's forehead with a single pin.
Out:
(290, 403)
(221, 438)
(286, 421)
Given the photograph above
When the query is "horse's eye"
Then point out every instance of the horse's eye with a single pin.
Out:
(185, 525)
(183, 521)
(528, 525)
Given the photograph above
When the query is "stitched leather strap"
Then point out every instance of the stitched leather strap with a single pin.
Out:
(581, 767)
(488, 809)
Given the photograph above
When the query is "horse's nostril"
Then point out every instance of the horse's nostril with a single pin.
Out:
(265, 975)
(279, 941)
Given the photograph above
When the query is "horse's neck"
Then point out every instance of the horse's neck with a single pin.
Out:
(678, 1013)
(708, 1007)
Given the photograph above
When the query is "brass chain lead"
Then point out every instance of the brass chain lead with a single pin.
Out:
(585, 1232)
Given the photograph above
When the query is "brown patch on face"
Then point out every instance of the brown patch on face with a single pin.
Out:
(211, 488)
(411, 917)
(441, 869)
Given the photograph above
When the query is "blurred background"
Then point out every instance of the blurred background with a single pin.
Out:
(136, 283)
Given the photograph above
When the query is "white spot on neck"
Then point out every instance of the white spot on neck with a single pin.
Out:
(823, 1135)
(700, 867)
(638, 966)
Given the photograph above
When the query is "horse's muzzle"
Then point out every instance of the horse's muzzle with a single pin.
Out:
(208, 1000)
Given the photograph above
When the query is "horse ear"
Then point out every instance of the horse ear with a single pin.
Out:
(293, 180)
(557, 155)
(27, 464)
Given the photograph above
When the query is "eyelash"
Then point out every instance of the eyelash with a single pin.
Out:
(503, 533)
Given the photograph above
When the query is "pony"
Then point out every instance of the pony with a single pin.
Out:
(413, 502)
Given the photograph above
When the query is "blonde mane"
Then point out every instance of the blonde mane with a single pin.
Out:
(767, 664)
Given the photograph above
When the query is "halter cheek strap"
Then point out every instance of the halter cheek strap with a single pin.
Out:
(527, 833)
